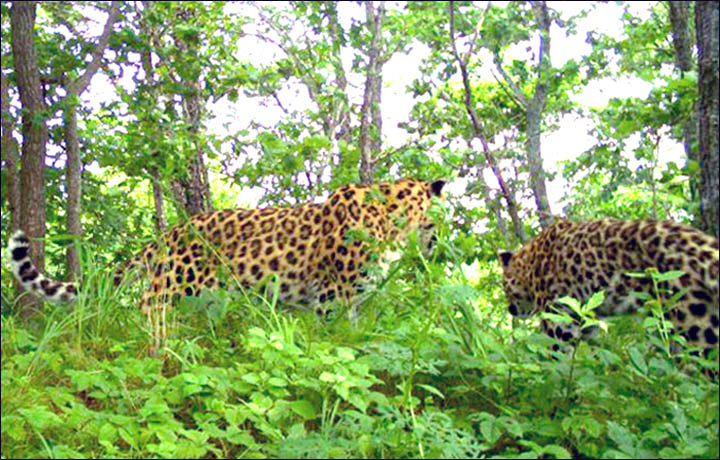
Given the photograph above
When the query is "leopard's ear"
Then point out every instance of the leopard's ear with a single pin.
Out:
(436, 187)
(505, 258)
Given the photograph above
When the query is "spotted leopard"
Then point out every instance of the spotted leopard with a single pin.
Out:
(308, 249)
(579, 258)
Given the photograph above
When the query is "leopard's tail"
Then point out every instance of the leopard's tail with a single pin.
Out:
(30, 277)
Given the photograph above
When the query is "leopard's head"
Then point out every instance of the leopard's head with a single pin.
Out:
(520, 299)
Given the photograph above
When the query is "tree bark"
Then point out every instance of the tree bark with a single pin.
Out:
(370, 116)
(10, 157)
(196, 187)
(193, 191)
(34, 129)
(72, 142)
(682, 42)
(537, 172)
(707, 26)
(72, 181)
(534, 116)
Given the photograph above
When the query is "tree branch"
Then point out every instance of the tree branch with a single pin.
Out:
(80, 85)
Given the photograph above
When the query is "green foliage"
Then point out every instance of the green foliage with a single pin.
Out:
(625, 162)
(427, 369)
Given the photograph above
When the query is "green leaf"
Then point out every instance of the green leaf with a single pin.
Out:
(556, 318)
(595, 300)
(239, 437)
(347, 354)
(667, 276)
(431, 389)
(303, 408)
(622, 436)
(127, 437)
(556, 451)
(343, 390)
(107, 433)
(358, 401)
(13, 426)
(638, 360)
(570, 302)
(150, 409)
(40, 417)
(251, 378)
(277, 382)
(490, 430)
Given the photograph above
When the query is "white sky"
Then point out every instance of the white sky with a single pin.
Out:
(567, 142)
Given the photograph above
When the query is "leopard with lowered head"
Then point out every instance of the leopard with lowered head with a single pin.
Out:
(579, 258)
(306, 248)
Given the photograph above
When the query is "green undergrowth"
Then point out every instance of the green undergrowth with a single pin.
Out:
(430, 367)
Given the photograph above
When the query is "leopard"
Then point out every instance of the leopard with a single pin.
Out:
(309, 251)
(579, 258)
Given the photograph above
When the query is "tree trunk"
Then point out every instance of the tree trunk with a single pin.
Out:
(533, 116)
(193, 192)
(496, 205)
(707, 25)
(680, 23)
(537, 172)
(534, 109)
(9, 152)
(370, 116)
(72, 142)
(72, 180)
(682, 42)
(34, 129)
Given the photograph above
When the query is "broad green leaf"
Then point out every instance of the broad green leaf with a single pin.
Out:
(303, 408)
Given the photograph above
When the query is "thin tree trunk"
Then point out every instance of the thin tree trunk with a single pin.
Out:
(10, 157)
(479, 133)
(537, 172)
(682, 42)
(370, 117)
(192, 192)
(34, 131)
(534, 111)
(72, 142)
(195, 189)
(73, 166)
(496, 204)
(707, 26)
